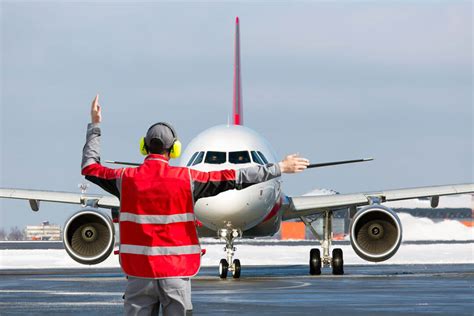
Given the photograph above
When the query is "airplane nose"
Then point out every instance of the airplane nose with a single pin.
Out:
(225, 204)
(241, 209)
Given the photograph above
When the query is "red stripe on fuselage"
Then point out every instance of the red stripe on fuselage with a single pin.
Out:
(274, 210)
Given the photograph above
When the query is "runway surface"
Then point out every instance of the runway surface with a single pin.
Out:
(363, 290)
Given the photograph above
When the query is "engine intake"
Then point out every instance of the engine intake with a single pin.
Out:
(376, 233)
(89, 236)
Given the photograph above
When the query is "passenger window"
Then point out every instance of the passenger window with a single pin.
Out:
(256, 158)
(199, 158)
(215, 157)
(239, 157)
(263, 157)
(192, 158)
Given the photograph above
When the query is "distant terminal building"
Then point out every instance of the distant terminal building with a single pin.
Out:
(45, 231)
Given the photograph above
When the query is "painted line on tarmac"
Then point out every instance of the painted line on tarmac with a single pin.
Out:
(58, 304)
(79, 279)
(63, 292)
(300, 285)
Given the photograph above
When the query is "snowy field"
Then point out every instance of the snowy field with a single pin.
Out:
(286, 254)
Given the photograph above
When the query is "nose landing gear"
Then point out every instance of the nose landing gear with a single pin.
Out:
(229, 235)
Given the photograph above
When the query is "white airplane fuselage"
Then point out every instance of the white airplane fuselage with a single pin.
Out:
(239, 209)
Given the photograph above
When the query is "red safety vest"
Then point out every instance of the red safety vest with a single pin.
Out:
(158, 237)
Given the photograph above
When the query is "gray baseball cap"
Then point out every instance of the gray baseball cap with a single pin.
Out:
(163, 132)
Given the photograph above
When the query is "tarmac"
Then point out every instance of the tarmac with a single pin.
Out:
(261, 290)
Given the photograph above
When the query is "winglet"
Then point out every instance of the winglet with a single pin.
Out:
(238, 110)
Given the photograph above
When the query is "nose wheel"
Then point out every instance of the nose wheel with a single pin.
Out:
(229, 235)
(236, 270)
(223, 268)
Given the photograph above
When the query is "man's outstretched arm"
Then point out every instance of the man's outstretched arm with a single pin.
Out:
(211, 183)
(256, 174)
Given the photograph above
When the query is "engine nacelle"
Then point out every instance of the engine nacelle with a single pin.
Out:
(89, 236)
(376, 233)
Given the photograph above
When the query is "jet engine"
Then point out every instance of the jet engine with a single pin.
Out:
(376, 233)
(89, 236)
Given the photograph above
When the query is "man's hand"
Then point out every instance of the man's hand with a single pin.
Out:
(96, 115)
(293, 163)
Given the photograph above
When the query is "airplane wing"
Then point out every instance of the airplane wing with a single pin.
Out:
(34, 196)
(298, 206)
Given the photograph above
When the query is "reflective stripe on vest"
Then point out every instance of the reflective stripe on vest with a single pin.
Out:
(160, 251)
(156, 219)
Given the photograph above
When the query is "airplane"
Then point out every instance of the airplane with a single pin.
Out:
(257, 211)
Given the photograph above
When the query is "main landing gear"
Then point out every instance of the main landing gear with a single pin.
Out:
(229, 235)
(315, 260)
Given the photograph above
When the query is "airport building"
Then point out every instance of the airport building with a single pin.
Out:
(45, 231)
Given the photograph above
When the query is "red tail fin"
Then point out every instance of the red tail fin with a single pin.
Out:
(238, 109)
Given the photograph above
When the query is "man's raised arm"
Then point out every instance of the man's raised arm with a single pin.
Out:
(104, 177)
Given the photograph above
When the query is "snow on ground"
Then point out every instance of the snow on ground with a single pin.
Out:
(284, 255)
(422, 228)
(251, 255)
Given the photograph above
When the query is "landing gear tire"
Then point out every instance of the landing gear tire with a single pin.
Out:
(223, 268)
(337, 262)
(315, 262)
(236, 271)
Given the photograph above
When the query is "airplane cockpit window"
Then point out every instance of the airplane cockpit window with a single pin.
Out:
(198, 158)
(239, 157)
(215, 157)
(192, 158)
(256, 158)
(263, 157)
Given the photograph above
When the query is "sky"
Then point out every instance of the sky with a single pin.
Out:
(331, 80)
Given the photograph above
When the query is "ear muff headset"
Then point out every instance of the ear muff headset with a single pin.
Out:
(143, 148)
(175, 151)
